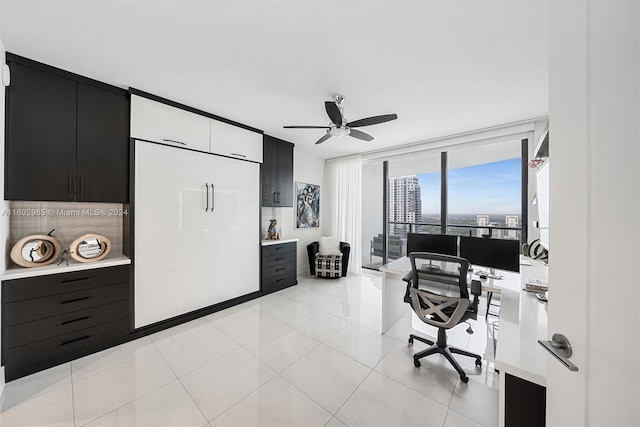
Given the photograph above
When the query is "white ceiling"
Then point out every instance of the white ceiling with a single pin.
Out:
(444, 67)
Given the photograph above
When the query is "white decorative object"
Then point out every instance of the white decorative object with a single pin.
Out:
(329, 246)
(6, 75)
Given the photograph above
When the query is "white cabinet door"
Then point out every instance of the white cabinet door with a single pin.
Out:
(233, 141)
(172, 231)
(158, 122)
(236, 228)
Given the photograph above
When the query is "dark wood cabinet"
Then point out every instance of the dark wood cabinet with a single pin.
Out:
(52, 319)
(279, 266)
(67, 136)
(277, 173)
(102, 163)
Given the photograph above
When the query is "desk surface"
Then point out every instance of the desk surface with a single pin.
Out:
(523, 319)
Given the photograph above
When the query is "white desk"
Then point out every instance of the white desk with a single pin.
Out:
(523, 321)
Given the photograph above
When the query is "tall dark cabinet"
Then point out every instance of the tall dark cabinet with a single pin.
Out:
(277, 173)
(67, 136)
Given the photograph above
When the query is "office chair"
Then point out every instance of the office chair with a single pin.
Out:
(438, 294)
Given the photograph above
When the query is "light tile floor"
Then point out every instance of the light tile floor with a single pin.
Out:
(309, 355)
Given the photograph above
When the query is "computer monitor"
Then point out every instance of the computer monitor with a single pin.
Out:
(503, 254)
(434, 243)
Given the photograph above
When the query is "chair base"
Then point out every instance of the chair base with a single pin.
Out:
(441, 347)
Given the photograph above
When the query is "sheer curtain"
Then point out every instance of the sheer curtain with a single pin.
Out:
(343, 205)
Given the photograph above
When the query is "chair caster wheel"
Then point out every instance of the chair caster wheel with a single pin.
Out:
(464, 379)
(410, 341)
(478, 363)
(416, 363)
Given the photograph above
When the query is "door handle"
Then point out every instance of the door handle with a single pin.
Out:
(213, 197)
(70, 184)
(207, 191)
(560, 347)
(174, 141)
(278, 193)
(275, 200)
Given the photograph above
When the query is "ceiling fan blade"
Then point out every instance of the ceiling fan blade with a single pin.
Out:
(306, 127)
(324, 138)
(334, 112)
(372, 120)
(360, 135)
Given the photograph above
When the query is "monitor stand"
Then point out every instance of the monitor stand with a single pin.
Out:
(491, 274)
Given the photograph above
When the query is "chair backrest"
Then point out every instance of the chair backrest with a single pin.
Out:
(438, 289)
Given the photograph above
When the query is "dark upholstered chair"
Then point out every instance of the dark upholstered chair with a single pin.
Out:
(313, 252)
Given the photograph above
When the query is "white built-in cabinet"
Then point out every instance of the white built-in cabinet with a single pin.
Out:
(158, 122)
(196, 224)
(154, 121)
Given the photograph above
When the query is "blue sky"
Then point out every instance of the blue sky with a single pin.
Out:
(489, 188)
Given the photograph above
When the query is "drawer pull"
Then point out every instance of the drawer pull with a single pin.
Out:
(280, 259)
(279, 280)
(75, 320)
(280, 269)
(76, 340)
(75, 300)
(75, 280)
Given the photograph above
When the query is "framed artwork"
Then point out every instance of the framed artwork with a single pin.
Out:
(307, 205)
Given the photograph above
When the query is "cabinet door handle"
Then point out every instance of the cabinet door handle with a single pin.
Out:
(213, 197)
(238, 155)
(81, 185)
(86, 337)
(275, 200)
(66, 322)
(75, 280)
(70, 184)
(278, 193)
(174, 141)
(206, 184)
(75, 300)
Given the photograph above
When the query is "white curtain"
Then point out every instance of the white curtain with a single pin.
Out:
(343, 205)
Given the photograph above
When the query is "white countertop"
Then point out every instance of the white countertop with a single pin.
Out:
(277, 242)
(15, 272)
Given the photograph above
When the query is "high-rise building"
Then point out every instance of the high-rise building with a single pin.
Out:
(405, 203)
(482, 220)
(511, 221)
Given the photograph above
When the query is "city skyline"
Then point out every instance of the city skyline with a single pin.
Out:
(488, 188)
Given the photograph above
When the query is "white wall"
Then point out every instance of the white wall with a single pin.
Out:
(310, 170)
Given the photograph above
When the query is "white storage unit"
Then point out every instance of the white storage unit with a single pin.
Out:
(196, 230)
(234, 141)
(154, 121)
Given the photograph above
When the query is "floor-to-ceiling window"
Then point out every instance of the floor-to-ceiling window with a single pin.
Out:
(484, 186)
(480, 194)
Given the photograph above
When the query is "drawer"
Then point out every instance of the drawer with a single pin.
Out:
(279, 248)
(276, 283)
(36, 287)
(30, 332)
(54, 305)
(279, 270)
(40, 351)
(277, 259)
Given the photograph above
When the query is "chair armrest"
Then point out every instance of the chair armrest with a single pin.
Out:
(476, 287)
(312, 250)
(408, 277)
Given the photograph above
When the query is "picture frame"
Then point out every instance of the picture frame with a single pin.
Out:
(307, 205)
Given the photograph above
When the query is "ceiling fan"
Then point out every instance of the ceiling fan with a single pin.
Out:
(340, 127)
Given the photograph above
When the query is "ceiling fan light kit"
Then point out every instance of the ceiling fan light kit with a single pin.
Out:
(340, 126)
